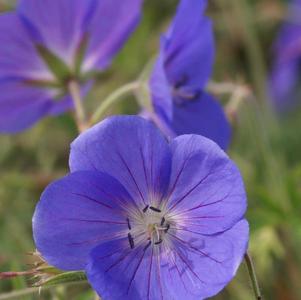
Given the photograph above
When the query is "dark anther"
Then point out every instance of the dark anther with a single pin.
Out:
(159, 242)
(162, 221)
(129, 225)
(131, 241)
(155, 209)
(167, 228)
(148, 244)
(145, 208)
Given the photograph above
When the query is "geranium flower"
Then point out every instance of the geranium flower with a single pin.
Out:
(145, 218)
(44, 44)
(286, 71)
(180, 76)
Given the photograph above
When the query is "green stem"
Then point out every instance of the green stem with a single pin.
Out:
(112, 99)
(252, 274)
(74, 90)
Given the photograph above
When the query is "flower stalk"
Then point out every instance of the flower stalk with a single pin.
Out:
(253, 277)
(112, 99)
(74, 90)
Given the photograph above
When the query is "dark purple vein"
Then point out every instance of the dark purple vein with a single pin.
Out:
(93, 200)
(190, 191)
(132, 176)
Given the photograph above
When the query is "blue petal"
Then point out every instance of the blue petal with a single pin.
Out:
(206, 193)
(161, 91)
(203, 116)
(112, 23)
(77, 213)
(189, 47)
(198, 267)
(21, 106)
(117, 272)
(190, 267)
(130, 149)
(18, 56)
(58, 25)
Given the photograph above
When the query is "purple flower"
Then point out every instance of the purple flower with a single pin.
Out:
(180, 76)
(286, 72)
(46, 43)
(145, 218)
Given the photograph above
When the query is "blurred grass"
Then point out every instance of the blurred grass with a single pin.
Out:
(267, 150)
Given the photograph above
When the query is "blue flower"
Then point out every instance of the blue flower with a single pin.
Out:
(180, 75)
(44, 40)
(286, 71)
(145, 218)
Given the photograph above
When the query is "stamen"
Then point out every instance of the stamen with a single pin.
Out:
(148, 244)
(167, 228)
(159, 242)
(162, 221)
(145, 208)
(131, 241)
(155, 209)
(129, 225)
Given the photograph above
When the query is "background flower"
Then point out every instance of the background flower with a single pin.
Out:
(150, 220)
(47, 43)
(286, 72)
(181, 73)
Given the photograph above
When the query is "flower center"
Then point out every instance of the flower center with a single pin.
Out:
(149, 228)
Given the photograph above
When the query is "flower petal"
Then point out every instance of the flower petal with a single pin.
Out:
(112, 23)
(130, 149)
(75, 214)
(189, 48)
(18, 56)
(200, 267)
(117, 272)
(21, 106)
(161, 91)
(203, 116)
(192, 268)
(57, 25)
(206, 193)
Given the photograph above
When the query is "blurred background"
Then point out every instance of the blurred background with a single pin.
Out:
(266, 146)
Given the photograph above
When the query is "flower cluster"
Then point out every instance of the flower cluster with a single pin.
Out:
(145, 218)
(45, 44)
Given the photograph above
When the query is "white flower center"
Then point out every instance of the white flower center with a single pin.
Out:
(148, 228)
